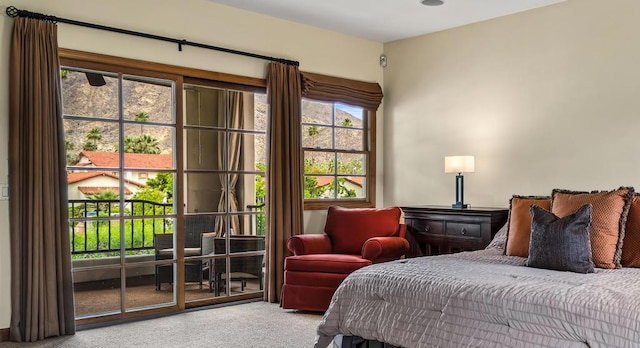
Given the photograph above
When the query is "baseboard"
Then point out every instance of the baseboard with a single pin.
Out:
(4, 335)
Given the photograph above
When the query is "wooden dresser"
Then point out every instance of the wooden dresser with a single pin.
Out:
(433, 230)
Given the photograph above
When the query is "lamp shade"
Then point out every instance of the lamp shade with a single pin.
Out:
(459, 164)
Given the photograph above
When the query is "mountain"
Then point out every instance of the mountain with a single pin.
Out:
(154, 100)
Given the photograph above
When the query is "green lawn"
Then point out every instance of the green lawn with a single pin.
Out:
(105, 236)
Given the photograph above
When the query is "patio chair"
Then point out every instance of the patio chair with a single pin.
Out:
(242, 268)
(163, 245)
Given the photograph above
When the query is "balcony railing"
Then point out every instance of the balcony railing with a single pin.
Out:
(95, 225)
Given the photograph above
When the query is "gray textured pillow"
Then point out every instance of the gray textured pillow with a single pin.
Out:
(500, 239)
(562, 244)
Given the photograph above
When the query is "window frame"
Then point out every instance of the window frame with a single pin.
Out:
(369, 151)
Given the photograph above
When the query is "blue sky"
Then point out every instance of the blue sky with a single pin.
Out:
(353, 110)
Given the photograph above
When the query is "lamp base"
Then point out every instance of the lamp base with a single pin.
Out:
(459, 206)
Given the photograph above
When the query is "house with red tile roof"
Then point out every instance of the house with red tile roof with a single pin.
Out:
(82, 184)
(354, 183)
(139, 167)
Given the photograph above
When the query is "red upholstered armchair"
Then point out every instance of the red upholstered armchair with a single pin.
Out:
(354, 238)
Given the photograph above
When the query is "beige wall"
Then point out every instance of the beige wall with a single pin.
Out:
(196, 20)
(544, 99)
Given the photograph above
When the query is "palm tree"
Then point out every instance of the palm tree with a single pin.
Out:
(346, 122)
(313, 131)
(104, 195)
(71, 158)
(141, 117)
(141, 144)
(92, 140)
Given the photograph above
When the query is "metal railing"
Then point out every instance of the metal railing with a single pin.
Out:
(96, 226)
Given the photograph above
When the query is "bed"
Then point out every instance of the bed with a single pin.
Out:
(484, 299)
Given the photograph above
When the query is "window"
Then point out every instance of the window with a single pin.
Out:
(339, 160)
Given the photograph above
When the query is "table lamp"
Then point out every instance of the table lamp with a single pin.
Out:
(459, 165)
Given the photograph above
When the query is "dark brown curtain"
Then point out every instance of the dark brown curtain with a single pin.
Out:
(366, 95)
(41, 286)
(284, 175)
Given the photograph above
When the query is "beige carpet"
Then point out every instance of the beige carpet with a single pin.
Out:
(253, 324)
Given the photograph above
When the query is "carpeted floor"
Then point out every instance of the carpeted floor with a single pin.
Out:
(253, 324)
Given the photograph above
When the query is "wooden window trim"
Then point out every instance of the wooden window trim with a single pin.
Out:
(134, 66)
(370, 198)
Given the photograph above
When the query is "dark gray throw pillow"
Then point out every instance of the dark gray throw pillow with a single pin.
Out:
(562, 244)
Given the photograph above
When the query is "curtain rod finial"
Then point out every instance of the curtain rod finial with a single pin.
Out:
(12, 11)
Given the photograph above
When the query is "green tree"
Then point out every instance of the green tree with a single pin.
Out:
(64, 73)
(313, 131)
(311, 188)
(261, 185)
(141, 117)
(343, 191)
(141, 144)
(261, 193)
(93, 137)
(104, 195)
(353, 167)
(163, 182)
(71, 158)
(346, 122)
(151, 195)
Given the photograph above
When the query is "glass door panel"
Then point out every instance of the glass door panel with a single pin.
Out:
(96, 290)
(120, 136)
(224, 151)
(141, 292)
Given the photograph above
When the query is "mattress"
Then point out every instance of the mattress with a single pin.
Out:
(484, 299)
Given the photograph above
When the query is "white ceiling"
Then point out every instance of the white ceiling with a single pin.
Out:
(385, 20)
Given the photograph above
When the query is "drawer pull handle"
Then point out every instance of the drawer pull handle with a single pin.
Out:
(427, 228)
(464, 231)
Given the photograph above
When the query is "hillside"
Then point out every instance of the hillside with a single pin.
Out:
(81, 99)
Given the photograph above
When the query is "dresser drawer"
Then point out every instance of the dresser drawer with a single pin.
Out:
(433, 230)
(427, 226)
(464, 229)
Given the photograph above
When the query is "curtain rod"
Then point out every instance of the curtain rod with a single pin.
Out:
(15, 12)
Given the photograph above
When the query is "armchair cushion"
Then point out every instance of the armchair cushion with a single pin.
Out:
(309, 244)
(325, 263)
(383, 249)
(350, 228)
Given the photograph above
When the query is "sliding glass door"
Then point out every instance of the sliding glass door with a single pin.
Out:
(224, 188)
(166, 188)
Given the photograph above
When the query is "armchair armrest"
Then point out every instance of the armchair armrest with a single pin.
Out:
(383, 249)
(305, 244)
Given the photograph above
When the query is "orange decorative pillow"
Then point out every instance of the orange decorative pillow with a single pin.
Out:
(519, 230)
(609, 218)
(631, 246)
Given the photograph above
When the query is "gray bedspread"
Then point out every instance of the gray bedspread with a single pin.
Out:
(485, 299)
